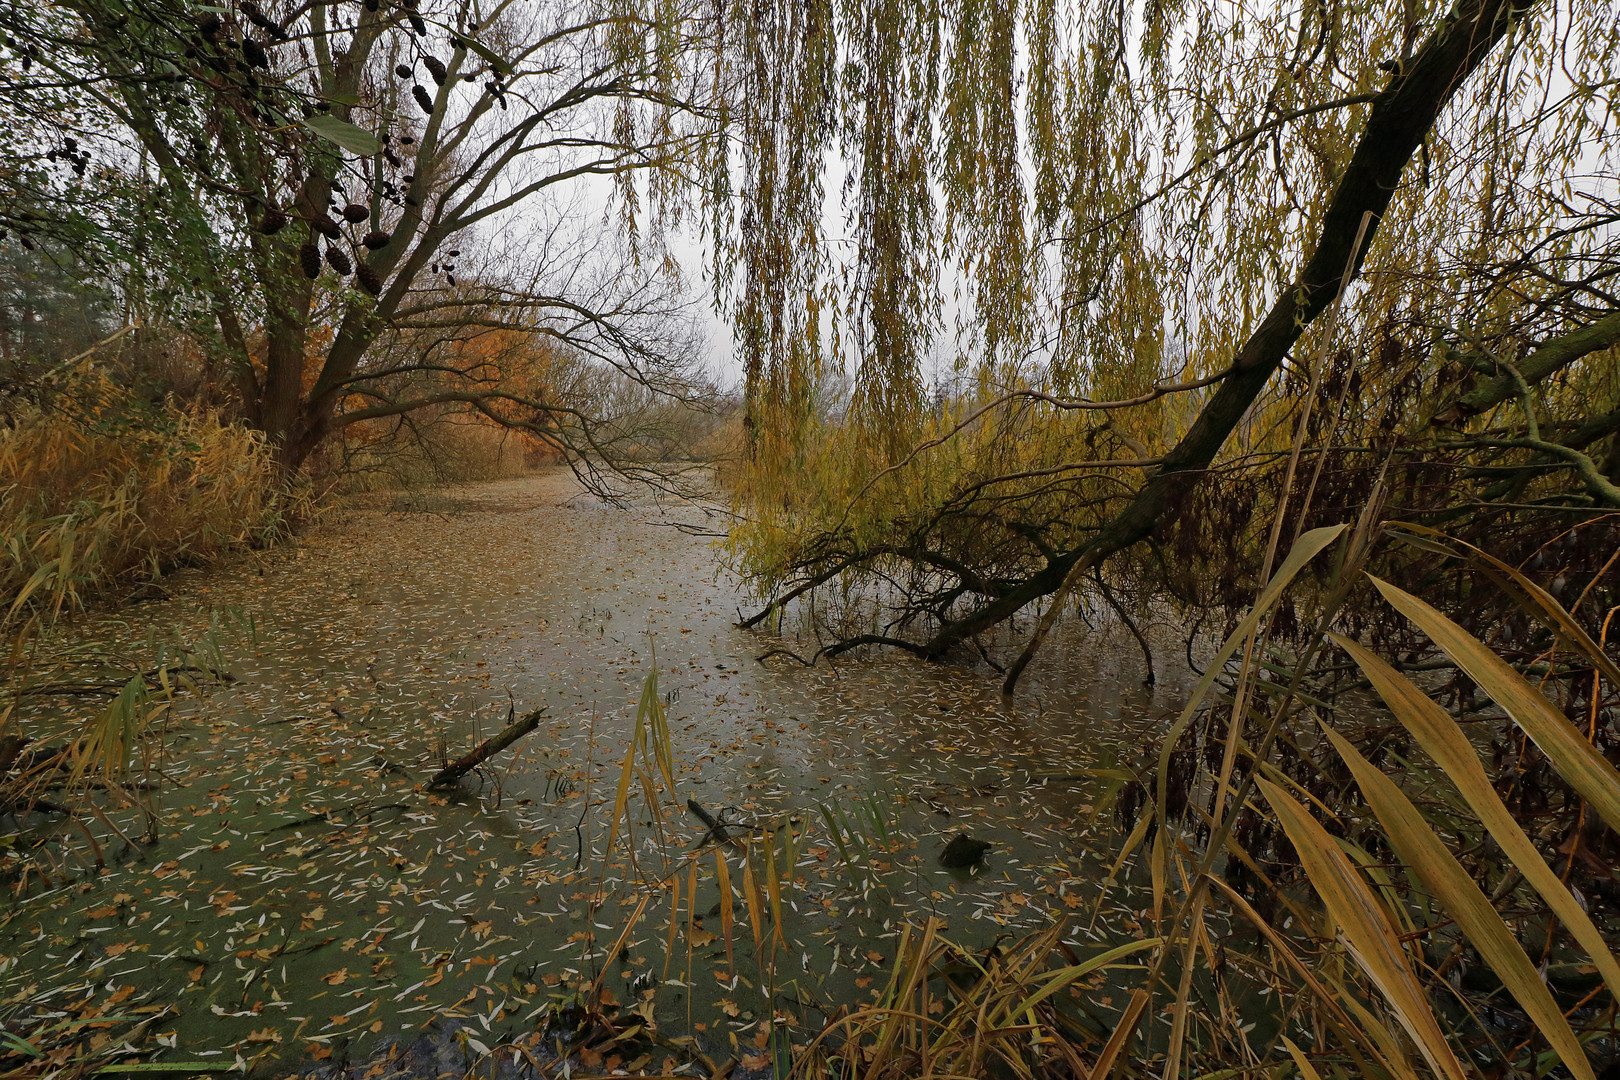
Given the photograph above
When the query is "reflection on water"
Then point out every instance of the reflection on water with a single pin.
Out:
(308, 897)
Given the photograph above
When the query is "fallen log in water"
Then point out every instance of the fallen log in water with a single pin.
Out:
(487, 749)
(717, 829)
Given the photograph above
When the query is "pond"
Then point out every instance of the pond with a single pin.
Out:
(310, 903)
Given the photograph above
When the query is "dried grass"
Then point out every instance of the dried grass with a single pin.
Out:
(99, 490)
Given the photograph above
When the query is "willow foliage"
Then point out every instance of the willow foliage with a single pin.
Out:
(1095, 201)
(1123, 191)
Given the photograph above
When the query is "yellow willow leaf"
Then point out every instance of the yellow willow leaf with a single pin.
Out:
(1443, 740)
(1304, 550)
(1364, 928)
(1306, 1069)
(1576, 760)
(1445, 878)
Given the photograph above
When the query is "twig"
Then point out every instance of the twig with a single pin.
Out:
(768, 653)
(717, 828)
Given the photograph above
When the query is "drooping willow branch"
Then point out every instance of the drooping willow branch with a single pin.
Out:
(1400, 119)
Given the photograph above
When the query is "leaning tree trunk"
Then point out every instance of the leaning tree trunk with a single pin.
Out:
(1400, 119)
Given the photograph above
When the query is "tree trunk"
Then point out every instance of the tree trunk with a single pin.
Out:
(1400, 120)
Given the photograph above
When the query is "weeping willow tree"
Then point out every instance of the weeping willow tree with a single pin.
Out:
(1153, 250)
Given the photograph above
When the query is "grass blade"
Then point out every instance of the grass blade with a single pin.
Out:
(1306, 1069)
(1365, 929)
(1303, 551)
(1444, 741)
(1064, 976)
(1368, 1033)
(1121, 1036)
(1415, 842)
(1530, 595)
(1576, 759)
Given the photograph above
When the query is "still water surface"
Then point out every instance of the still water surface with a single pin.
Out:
(308, 899)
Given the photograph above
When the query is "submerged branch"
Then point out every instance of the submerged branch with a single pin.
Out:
(487, 749)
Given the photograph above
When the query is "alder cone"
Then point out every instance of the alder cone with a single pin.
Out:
(339, 260)
(272, 222)
(258, 18)
(309, 257)
(369, 279)
(418, 25)
(376, 240)
(423, 98)
(356, 213)
(435, 68)
(403, 71)
(254, 54)
(326, 226)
